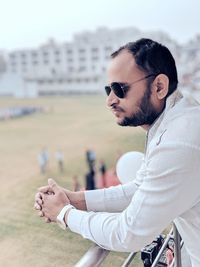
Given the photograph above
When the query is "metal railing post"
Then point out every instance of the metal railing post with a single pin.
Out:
(177, 247)
(129, 259)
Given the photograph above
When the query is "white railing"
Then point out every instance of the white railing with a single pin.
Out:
(93, 257)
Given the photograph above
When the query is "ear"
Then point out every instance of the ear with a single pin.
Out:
(161, 84)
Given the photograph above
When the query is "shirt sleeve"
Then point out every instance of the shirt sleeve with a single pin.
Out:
(112, 199)
(171, 187)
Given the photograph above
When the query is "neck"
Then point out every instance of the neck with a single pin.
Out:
(145, 127)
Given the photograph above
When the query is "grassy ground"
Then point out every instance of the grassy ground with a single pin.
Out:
(72, 124)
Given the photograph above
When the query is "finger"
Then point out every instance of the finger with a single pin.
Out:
(38, 200)
(45, 189)
(45, 197)
(169, 256)
(53, 185)
(47, 220)
(37, 196)
(41, 213)
(37, 207)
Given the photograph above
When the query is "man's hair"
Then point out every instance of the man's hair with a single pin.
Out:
(152, 58)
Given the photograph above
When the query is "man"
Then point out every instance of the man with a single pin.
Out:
(43, 159)
(142, 91)
(60, 160)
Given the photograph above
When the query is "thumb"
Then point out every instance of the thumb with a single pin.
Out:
(53, 185)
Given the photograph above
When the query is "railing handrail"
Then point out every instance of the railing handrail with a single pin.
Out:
(93, 257)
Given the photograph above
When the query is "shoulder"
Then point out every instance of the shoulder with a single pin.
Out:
(182, 124)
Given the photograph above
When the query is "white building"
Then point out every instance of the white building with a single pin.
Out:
(78, 66)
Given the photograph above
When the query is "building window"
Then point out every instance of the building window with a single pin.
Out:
(95, 49)
(70, 59)
(82, 59)
(23, 55)
(108, 49)
(34, 54)
(57, 52)
(87, 80)
(12, 56)
(81, 50)
(35, 62)
(46, 62)
(69, 51)
(95, 79)
(70, 69)
(45, 53)
(57, 61)
(82, 68)
(95, 58)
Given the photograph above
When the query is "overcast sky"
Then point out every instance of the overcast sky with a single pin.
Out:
(29, 23)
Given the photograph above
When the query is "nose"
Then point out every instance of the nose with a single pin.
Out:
(112, 99)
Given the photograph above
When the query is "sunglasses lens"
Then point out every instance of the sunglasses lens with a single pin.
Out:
(107, 89)
(117, 89)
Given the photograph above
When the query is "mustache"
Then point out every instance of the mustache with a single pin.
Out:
(114, 107)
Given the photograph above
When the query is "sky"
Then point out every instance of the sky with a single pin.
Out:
(30, 23)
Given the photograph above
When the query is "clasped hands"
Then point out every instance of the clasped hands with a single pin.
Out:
(50, 199)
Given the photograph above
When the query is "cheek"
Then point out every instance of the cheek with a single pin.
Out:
(131, 107)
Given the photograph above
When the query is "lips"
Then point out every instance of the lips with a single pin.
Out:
(116, 111)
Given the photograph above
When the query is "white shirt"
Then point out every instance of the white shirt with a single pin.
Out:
(167, 187)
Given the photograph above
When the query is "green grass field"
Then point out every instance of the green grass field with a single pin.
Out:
(73, 124)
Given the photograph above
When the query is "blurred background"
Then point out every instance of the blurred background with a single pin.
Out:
(53, 117)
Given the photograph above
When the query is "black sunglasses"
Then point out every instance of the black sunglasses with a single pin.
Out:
(121, 89)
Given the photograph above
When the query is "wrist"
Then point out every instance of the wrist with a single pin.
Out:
(77, 199)
(66, 215)
(61, 219)
(81, 203)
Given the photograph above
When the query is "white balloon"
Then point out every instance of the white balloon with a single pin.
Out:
(128, 165)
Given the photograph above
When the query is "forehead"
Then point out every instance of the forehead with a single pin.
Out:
(123, 68)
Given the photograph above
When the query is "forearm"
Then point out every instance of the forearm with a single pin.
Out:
(113, 199)
(77, 199)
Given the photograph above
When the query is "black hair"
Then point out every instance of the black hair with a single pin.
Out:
(153, 58)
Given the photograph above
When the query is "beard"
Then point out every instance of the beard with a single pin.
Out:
(146, 113)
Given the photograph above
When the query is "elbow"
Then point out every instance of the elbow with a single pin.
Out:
(129, 241)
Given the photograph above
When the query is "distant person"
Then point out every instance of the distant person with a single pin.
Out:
(60, 160)
(102, 170)
(43, 159)
(90, 158)
(76, 184)
(90, 180)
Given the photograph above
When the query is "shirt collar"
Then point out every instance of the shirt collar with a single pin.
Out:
(170, 103)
